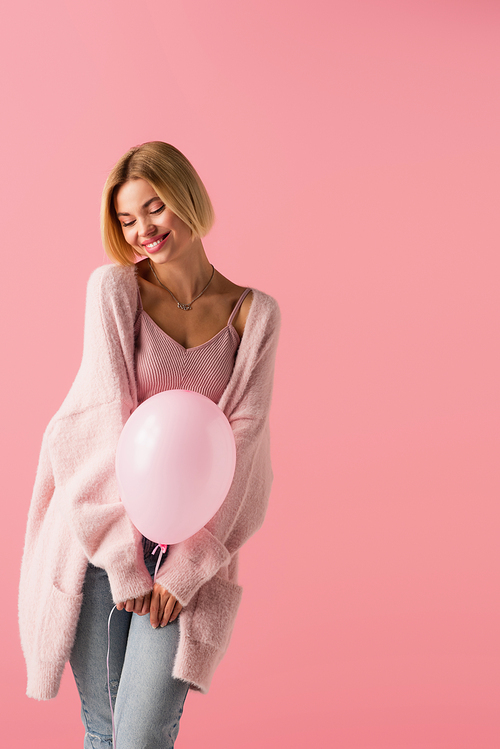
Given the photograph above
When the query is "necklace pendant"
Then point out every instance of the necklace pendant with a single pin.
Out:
(185, 307)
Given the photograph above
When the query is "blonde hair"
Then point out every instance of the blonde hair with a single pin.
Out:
(175, 181)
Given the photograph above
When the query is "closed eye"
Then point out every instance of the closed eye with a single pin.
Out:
(131, 223)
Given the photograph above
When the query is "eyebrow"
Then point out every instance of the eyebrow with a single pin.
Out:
(144, 206)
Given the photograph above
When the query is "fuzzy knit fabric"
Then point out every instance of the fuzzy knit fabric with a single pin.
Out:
(76, 515)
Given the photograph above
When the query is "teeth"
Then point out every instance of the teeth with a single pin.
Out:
(154, 244)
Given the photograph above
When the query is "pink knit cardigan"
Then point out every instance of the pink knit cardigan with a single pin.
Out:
(76, 515)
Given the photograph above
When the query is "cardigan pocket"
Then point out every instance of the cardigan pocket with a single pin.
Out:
(215, 612)
(58, 625)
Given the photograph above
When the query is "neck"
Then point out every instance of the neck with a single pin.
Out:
(185, 276)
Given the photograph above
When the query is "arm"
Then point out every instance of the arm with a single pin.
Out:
(83, 435)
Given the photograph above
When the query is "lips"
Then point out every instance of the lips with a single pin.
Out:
(155, 243)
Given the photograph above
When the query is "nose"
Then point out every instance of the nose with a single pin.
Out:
(145, 227)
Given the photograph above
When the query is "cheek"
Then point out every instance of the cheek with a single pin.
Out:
(130, 236)
(183, 231)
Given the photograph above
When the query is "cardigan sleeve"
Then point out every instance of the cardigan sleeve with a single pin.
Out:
(83, 435)
(193, 562)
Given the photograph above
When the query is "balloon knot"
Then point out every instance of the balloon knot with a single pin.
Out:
(163, 548)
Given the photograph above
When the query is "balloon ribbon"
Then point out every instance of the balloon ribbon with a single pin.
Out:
(109, 688)
(163, 548)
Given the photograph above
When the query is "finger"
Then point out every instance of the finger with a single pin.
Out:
(175, 613)
(120, 606)
(145, 605)
(167, 611)
(154, 607)
(129, 606)
(138, 604)
(159, 595)
(164, 597)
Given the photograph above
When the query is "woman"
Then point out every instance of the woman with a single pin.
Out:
(168, 321)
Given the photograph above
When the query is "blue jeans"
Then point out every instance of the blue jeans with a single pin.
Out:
(147, 700)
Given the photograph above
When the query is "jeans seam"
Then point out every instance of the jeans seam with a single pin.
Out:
(88, 731)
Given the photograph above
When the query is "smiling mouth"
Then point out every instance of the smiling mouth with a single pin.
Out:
(156, 242)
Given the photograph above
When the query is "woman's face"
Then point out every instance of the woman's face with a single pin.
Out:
(148, 225)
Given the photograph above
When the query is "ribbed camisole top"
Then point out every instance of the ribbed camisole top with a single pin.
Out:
(161, 363)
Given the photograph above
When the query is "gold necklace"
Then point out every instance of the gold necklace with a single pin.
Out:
(184, 307)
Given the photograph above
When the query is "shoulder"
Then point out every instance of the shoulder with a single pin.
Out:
(263, 322)
(259, 307)
(112, 279)
(265, 303)
(265, 308)
(113, 289)
(255, 304)
(112, 293)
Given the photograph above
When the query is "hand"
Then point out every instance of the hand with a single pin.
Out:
(136, 605)
(164, 607)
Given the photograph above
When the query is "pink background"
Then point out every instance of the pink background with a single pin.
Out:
(351, 148)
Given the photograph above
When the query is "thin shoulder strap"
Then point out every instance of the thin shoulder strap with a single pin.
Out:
(238, 305)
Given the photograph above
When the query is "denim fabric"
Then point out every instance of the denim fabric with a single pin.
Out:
(148, 701)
